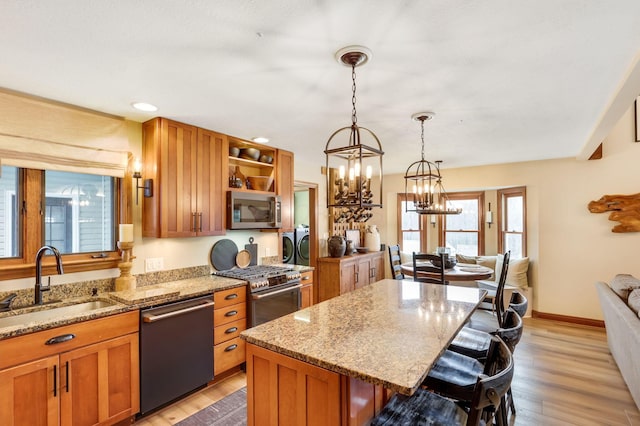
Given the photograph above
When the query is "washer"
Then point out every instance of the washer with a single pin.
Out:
(302, 246)
(288, 247)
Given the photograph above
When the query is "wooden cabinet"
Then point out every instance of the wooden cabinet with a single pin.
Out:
(339, 275)
(284, 180)
(229, 319)
(91, 378)
(283, 390)
(306, 279)
(242, 166)
(188, 166)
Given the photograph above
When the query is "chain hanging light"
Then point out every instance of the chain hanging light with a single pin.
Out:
(354, 170)
(423, 181)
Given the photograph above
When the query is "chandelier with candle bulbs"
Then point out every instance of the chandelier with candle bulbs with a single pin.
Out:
(354, 169)
(423, 181)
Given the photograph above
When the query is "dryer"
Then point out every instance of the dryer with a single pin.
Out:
(302, 246)
(288, 247)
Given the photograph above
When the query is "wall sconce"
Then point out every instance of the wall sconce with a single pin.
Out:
(489, 216)
(147, 184)
(433, 220)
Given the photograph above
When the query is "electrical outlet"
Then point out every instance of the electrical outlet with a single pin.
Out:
(154, 264)
(267, 252)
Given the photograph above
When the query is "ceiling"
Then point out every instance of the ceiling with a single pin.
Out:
(508, 80)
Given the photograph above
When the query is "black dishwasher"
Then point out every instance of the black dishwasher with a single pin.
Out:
(176, 350)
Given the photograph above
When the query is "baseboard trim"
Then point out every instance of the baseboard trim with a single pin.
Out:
(567, 318)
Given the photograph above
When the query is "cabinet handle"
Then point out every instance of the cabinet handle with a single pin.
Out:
(231, 313)
(55, 380)
(60, 339)
(231, 296)
(306, 278)
(357, 278)
(193, 222)
(200, 222)
(231, 330)
(230, 348)
(67, 374)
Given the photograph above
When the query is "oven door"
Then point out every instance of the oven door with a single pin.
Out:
(270, 304)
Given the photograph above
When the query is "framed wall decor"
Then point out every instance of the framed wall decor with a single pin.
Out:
(638, 119)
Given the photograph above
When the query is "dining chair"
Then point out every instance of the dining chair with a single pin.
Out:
(429, 268)
(475, 343)
(426, 407)
(488, 321)
(519, 303)
(396, 262)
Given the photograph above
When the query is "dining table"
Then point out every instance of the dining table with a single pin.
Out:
(460, 271)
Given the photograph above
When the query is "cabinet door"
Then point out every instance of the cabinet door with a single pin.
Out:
(170, 151)
(100, 382)
(364, 272)
(348, 276)
(377, 267)
(284, 183)
(30, 393)
(211, 182)
(307, 296)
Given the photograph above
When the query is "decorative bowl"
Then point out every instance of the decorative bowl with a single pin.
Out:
(449, 262)
(362, 249)
(234, 151)
(260, 183)
(250, 154)
(266, 159)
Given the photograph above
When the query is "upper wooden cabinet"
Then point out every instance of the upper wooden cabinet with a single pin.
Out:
(188, 166)
(259, 162)
(284, 180)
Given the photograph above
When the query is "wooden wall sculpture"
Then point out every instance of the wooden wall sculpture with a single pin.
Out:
(624, 209)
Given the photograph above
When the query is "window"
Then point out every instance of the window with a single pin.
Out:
(464, 233)
(76, 213)
(512, 220)
(412, 234)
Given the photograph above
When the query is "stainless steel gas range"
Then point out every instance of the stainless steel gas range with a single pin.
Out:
(273, 291)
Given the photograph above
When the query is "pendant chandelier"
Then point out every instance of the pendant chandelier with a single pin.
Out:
(423, 181)
(354, 157)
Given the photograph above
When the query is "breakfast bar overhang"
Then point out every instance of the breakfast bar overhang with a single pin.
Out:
(337, 362)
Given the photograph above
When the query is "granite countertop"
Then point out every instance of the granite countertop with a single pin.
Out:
(387, 333)
(121, 301)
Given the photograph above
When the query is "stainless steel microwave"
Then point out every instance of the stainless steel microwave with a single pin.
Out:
(246, 210)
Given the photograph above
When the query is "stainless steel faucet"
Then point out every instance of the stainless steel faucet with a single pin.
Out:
(39, 287)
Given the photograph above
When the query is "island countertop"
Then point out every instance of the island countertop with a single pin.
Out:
(388, 333)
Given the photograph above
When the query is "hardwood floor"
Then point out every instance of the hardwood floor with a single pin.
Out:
(564, 375)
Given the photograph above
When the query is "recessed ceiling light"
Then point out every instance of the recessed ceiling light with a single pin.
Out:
(143, 106)
(261, 139)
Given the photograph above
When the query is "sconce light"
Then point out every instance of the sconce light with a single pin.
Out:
(489, 216)
(147, 183)
(433, 220)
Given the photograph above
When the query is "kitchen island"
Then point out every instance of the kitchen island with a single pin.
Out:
(337, 362)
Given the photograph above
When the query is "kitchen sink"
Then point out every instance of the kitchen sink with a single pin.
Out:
(54, 313)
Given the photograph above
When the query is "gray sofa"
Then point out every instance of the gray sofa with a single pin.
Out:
(620, 302)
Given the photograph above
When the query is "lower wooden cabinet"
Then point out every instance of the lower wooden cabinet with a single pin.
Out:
(78, 384)
(283, 390)
(229, 319)
(306, 292)
(339, 275)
